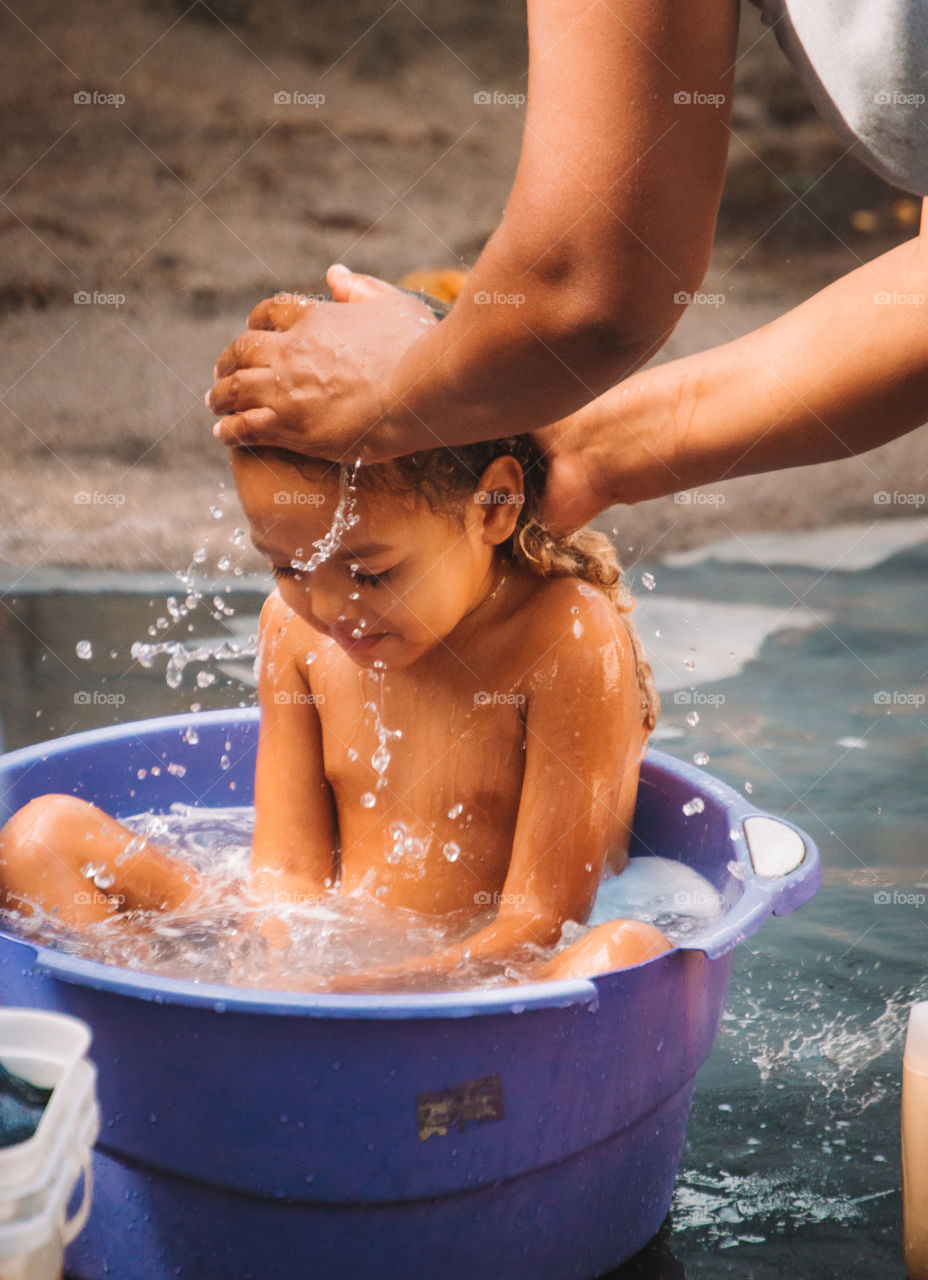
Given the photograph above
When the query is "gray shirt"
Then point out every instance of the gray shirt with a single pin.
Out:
(864, 64)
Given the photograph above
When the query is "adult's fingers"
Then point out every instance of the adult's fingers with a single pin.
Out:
(348, 286)
(280, 312)
(241, 390)
(249, 350)
(253, 427)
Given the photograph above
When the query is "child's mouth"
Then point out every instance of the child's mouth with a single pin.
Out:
(356, 644)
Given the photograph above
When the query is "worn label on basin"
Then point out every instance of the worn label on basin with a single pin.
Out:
(473, 1102)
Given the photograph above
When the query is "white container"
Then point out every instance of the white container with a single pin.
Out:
(38, 1177)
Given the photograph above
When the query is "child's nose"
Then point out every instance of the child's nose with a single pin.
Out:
(328, 602)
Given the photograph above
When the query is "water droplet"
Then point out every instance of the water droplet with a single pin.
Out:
(190, 735)
(84, 649)
(224, 762)
(216, 513)
(452, 851)
(700, 758)
(748, 788)
(104, 880)
(689, 664)
(647, 581)
(368, 800)
(696, 805)
(455, 811)
(577, 628)
(205, 679)
(693, 719)
(352, 754)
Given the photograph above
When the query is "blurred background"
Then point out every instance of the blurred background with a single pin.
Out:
(167, 165)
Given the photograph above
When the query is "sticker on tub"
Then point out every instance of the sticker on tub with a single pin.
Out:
(473, 1102)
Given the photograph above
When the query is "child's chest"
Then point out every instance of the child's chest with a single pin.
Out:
(438, 761)
(382, 730)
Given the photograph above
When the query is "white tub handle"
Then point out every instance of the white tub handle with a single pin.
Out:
(775, 849)
(74, 1225)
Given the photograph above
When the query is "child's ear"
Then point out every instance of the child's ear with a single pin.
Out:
(500, 495)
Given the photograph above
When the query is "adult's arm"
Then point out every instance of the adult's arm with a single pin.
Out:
(843, 372)
(609, 221)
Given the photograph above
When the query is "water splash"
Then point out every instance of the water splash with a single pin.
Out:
(345, 517)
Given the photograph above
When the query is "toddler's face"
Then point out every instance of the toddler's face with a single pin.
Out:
(400, 581)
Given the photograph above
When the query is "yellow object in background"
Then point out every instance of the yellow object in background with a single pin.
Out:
(444, 284)
(915, 1144)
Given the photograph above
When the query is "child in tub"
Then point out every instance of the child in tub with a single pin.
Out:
(453, 705)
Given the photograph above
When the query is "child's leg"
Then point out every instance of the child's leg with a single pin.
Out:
(46, 843)
(613, 945)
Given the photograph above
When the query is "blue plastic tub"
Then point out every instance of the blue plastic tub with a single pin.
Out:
(529, 1132)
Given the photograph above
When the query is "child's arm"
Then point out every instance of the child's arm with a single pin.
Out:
(583, 745)
(295, 841)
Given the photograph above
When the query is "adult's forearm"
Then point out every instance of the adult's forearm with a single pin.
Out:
(610, 220)
(840, 374)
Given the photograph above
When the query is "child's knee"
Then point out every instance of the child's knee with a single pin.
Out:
(46, 823)
(617, 944)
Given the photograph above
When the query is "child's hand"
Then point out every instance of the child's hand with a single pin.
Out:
(312, 376)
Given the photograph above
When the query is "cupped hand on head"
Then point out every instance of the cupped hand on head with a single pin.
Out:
(313, 376)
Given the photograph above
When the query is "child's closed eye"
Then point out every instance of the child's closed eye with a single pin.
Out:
(285, 571)
(369, 579)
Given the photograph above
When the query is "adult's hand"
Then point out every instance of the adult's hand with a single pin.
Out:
(305, 374)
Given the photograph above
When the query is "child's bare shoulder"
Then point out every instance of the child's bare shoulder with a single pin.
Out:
(568, 617)
(284, 635)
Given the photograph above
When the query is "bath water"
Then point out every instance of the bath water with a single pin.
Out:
(223, 936)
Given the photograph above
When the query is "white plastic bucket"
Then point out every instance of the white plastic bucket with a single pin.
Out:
(38, 1177)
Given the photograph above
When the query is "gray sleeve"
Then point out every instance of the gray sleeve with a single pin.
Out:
(864, 64)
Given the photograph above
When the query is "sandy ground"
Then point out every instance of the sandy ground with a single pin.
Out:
(139, 227)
